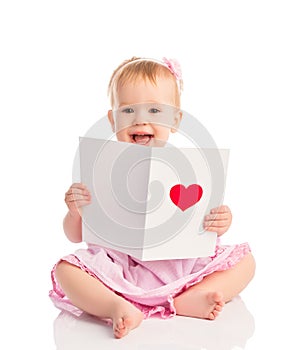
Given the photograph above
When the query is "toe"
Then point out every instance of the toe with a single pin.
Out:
(215, 313)
(119, 324)
(120, 333)
(218, 307)
(117, 333)
(221, 303)
(211, 316)
(119, 328)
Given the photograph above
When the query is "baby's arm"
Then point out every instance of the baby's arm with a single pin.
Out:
(219, 220)
(76, 197)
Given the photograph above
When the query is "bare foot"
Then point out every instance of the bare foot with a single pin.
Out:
(126, 317)
(199, 303)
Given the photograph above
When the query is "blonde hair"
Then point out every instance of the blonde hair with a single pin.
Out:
(141, 68)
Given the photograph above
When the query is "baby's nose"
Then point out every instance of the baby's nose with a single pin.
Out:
(141, 118)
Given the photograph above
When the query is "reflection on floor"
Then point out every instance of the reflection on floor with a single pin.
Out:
(230, 330)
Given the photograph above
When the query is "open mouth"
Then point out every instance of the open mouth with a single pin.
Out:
(141, 139)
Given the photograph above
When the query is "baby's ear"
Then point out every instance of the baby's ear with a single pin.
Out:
(177, 121)
(111, 120)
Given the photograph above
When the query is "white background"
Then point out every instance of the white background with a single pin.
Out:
(239, 67)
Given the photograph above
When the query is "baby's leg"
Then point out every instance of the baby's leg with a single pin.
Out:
(93, 297)
(206, 299)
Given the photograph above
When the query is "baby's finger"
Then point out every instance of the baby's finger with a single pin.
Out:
(215, 223)
(76, 204)
(78, 185)
(77, 191)
(221, 209)
(218, 230)
(72, 197)
(212, 217)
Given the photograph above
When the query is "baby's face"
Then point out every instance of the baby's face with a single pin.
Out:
(145, 113)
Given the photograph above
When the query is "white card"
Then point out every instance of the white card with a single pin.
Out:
(149, 202)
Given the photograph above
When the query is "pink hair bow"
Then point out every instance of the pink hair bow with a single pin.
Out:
(174, 67)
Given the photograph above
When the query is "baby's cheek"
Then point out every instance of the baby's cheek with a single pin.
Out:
(123, 136)
(163, 133)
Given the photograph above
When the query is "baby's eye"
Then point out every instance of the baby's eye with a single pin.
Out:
(128, 110)
(154, 110)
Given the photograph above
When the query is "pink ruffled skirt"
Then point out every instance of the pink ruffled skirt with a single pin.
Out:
(149, 285)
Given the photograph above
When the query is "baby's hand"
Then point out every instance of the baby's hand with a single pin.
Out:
(76, 197)
(219, 220)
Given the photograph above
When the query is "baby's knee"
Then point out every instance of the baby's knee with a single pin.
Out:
(251, 264)
(62, 269)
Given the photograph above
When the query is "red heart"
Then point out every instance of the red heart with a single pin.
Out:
(184, 197)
